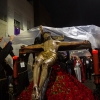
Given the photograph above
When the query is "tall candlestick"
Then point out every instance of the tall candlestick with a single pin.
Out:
(96, 65)
(15, 69)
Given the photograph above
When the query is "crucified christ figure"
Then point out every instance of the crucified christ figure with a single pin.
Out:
(47, 58)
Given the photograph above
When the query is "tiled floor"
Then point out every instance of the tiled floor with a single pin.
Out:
(90, 84)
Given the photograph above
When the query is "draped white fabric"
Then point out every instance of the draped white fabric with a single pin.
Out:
(89, 32)
(77, 33)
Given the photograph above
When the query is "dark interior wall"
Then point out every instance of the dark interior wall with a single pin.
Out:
(73, 12)
(89, 11)
(3, 7)
(3, 10)
(41, 16)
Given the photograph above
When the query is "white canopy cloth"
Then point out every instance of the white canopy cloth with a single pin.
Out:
(89, 32)
(75, 33)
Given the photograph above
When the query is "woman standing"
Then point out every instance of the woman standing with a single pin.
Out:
(77, 69)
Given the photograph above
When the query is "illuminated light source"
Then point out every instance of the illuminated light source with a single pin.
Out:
(15, 57)
(94, 51)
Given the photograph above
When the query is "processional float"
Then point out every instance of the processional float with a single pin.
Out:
(64, 46)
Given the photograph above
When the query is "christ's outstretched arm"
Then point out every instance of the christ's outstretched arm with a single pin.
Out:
(32, 47)
(74, 43)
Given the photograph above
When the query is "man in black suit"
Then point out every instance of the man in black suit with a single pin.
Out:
(88, 67)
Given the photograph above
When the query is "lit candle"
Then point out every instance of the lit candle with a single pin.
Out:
(96, 64)
(95, 51)
(15, 69)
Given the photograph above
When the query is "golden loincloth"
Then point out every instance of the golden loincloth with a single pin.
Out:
(47, 55)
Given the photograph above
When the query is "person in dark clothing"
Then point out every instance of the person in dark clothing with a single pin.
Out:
(88, 68)
(23, 80)
(62, 58)
(70, 65)
(3, 79)
(7, 68)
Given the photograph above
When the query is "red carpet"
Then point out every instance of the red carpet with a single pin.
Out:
(62, 86)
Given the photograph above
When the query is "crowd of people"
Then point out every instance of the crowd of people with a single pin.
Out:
(7, 79)
(5, 69)
(79, 67)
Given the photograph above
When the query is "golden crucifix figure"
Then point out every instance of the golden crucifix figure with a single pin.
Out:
(47, 58)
